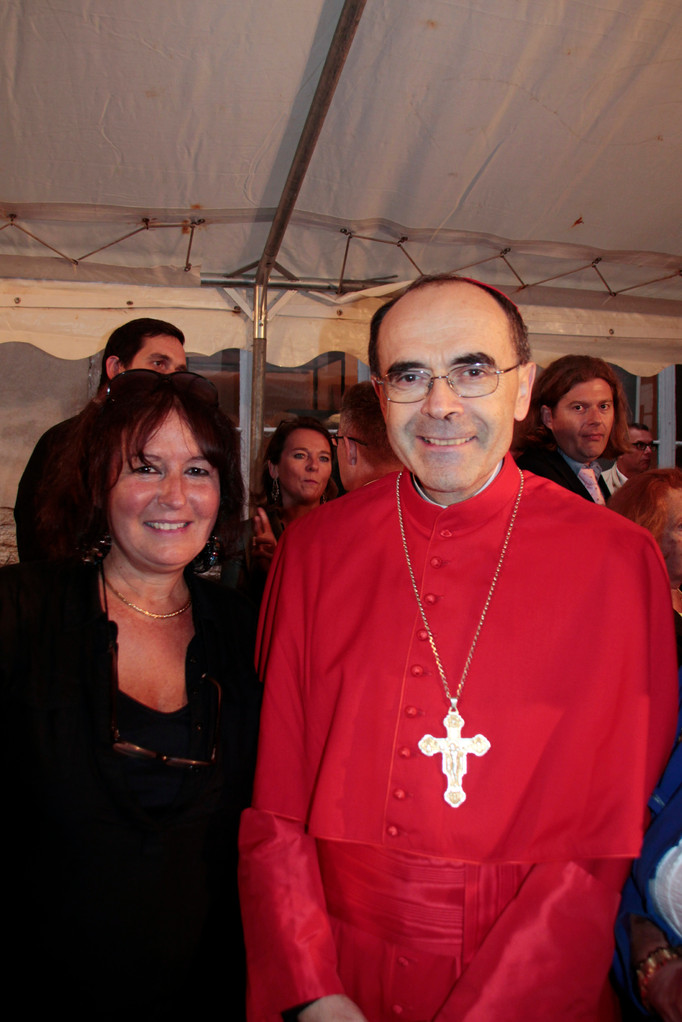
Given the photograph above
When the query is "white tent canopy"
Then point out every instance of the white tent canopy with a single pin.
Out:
(550, 128)
(535, 144)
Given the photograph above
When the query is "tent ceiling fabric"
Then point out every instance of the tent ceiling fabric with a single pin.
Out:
(550, 128)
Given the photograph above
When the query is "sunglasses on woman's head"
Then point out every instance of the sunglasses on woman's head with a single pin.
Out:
(148, 381)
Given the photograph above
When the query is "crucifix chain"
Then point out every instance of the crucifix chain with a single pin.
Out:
(454, 748)
(498, 569)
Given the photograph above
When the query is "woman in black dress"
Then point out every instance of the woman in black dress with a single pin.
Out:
(130, 717)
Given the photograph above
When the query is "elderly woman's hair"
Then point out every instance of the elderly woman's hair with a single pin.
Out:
(73, 501)
(273, 452)
(642, 498)
(557, 379)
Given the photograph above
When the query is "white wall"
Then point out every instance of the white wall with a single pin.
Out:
(36, 391)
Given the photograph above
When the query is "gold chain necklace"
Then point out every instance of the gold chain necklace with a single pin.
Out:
(148, 613)
(453, 748)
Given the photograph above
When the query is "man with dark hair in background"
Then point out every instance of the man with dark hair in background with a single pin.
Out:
(578, 414)
(140, 344)
(635, 460)
(362, 446)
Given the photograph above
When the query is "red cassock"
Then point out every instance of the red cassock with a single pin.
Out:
(357, 876)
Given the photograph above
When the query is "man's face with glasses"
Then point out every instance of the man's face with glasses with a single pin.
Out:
(453, 429)
(638, 458)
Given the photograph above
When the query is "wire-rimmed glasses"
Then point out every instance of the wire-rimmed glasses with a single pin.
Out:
(476, 379)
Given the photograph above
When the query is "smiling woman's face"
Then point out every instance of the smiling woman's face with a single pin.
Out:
(162, 509)
(304, 468)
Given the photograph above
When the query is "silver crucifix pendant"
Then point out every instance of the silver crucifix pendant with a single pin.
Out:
(454, 749)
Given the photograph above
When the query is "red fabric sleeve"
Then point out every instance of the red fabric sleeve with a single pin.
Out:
(549, 953)
(290, 950)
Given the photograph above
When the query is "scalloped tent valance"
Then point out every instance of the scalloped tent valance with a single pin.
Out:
(73, 321)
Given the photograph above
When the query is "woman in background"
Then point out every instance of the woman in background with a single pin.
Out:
(130, 709)
(295, 479)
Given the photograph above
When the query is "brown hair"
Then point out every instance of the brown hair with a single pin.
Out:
(517, 328)
(361, 415)
(73, 502)
(556, 380)
(642, 498)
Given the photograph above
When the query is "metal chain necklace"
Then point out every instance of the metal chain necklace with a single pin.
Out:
(148, 613)
(453, 748)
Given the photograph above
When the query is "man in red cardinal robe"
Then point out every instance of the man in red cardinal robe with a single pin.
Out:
(453, 765)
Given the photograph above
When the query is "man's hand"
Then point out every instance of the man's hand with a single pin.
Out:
(334, 1008)
(665, 987)
(665, 991)
(263, 543)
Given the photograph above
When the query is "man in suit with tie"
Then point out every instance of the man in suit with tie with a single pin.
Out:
(578, 414)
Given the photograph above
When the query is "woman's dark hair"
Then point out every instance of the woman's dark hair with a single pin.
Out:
(73, 503)
(273, 452)
(557, 379)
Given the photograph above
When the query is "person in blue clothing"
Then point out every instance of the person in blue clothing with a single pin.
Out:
(648, 961)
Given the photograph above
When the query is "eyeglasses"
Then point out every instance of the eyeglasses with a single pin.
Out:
(148, 381)
(340, 436)
(476, 380)
(126, 748)
(639, 445)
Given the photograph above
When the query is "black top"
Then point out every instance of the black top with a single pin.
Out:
(240, 572)
(51, 446)
(113, 907)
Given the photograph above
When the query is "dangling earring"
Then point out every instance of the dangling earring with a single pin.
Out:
(98, 551)
(208, 557)
(275, 490)
(323, 498)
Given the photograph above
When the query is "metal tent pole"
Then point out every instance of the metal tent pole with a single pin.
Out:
(326, 86)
